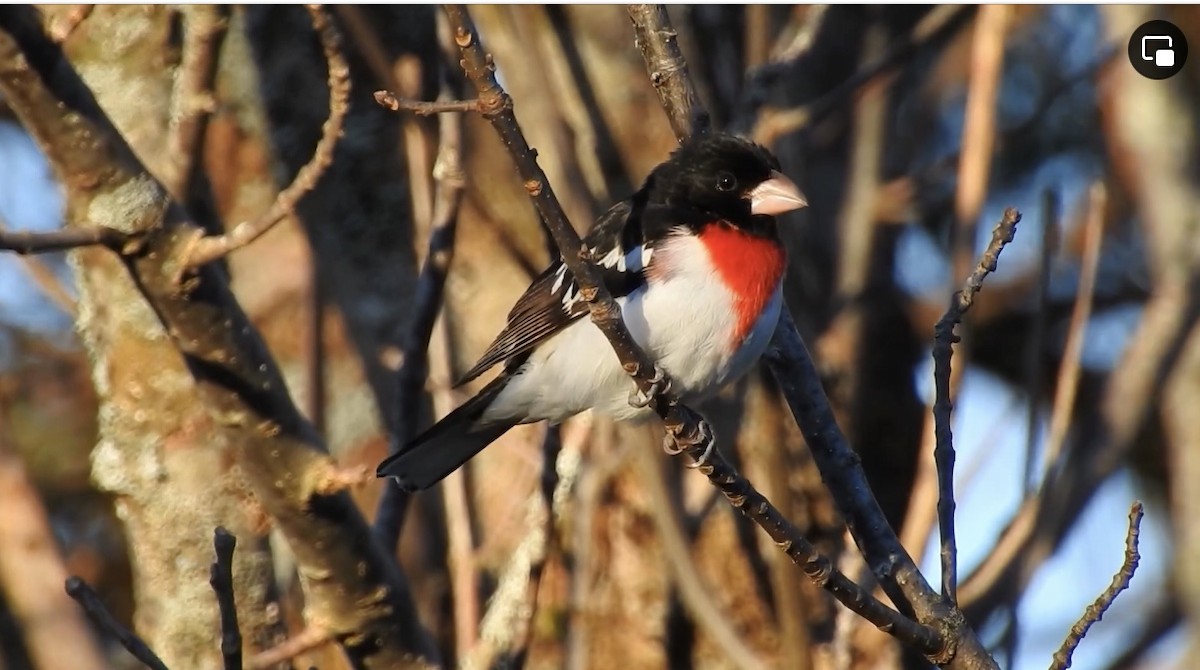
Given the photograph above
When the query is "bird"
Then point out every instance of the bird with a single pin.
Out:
(696, 263)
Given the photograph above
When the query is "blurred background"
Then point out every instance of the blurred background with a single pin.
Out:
(909, 128)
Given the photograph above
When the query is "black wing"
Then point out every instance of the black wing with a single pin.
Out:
(552, 302)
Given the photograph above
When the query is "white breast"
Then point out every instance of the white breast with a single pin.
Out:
(684, 321)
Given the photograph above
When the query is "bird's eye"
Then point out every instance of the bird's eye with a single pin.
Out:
(726, 182)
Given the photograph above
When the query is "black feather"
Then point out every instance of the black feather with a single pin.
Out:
(448, 444)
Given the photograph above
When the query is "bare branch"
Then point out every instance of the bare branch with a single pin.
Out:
(422, 108)
(1120, 582)
(208, 249)
(943, 350)
(99, 614)
(221, 578)
(1068, 374)
(193, 102)
(656, 39)
(26, 242)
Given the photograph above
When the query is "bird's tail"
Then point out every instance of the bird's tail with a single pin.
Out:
(448, 444)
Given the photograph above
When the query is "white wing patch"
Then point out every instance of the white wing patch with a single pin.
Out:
(559, 275)
(635, 260)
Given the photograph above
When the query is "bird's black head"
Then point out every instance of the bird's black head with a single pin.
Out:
(724, 175)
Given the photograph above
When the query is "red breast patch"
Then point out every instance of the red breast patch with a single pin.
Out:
(750, 266)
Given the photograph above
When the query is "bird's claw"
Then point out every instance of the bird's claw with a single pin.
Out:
(659, 383)
(673, 445)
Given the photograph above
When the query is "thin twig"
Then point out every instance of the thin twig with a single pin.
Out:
(221, 578)
(45, 279)
(30, 242)
(208, 249)
(99, 614)
(686, 430)
(1120, 582)
(422, 108)
(1068, 371)
(307, 640)
(658, 43)
(193, 99)
(943, 350)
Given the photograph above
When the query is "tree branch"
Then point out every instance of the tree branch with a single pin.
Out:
(26, 242)
(656, 39)
(99, 614)
(221, 579)
(686, 430)
(208, 249)
(422, 108)
(943, 349)
(193, 102)
(1120, 582)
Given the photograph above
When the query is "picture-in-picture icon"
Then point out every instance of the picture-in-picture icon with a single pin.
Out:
(1152, 50)
(1158, 49)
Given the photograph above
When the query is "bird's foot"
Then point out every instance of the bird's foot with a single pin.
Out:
(675, 444)
(659, 383)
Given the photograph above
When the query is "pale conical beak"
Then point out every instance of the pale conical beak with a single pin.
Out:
(776, 196)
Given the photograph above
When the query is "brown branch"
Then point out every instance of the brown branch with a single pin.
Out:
(193, 100)
(26, 242)
(45, 278)
(943, 350)
(687, 432)
(352, 587)
(422, 108)
(979, 130)
(99, 614)
(1069, 369)
(307, 640)
(208, 249)
(221, 579)
(656, 39)
(1120, 582)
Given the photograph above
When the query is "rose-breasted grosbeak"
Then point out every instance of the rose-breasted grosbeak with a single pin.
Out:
(695, 262)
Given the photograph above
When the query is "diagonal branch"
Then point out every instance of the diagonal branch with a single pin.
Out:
(1120, 582)
(668, 70)
(99, 614)
(943, 349)
(208, 249)
(686, 430)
